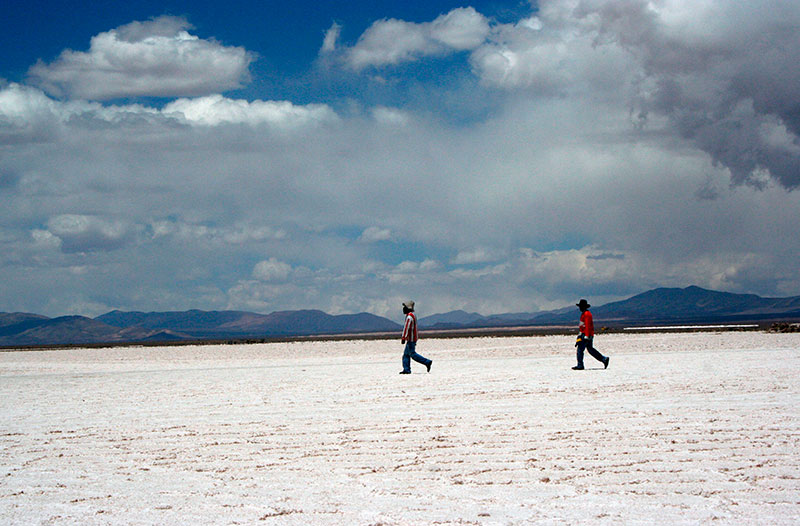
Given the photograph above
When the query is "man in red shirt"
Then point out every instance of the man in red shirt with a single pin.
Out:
(409, 338)
(586, 336)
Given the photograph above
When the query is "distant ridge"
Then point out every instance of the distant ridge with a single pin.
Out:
(65, 330)
(229, 324)
(697, 304)
(453, 318)
(24, 329)
(659, 306)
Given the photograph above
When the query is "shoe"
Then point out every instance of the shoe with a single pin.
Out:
(578, 368)
(605, 362)
(405, 372)
(429, 365)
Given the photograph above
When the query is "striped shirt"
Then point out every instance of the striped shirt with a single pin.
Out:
(410, 328)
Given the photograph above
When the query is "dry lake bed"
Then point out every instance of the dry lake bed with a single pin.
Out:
(682, 428)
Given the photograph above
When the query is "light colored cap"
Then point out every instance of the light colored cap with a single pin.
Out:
(408, 304)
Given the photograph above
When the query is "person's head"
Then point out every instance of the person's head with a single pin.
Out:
(583, 305)
(408, 306)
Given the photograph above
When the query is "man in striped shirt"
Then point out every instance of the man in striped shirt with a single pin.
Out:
(409, 338)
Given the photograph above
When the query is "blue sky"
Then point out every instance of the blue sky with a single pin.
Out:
(286, 36)
(486, 156)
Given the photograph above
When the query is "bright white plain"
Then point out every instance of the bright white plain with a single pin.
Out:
(681, 429)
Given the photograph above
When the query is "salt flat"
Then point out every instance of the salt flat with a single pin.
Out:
(688, 428)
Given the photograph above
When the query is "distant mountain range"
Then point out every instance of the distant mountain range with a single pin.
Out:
(20, 329)
(658, 307)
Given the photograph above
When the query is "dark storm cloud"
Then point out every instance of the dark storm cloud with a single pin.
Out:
(727, 80)
(724, 75)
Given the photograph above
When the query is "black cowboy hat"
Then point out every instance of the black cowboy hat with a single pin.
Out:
(583, 304)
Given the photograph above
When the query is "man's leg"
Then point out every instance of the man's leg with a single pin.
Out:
(594, 352)
(581, 346)
(407, 357)
(418, 357)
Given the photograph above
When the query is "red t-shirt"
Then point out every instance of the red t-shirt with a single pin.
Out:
(587, 325)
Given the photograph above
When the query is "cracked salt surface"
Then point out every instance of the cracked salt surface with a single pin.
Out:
(681, 429)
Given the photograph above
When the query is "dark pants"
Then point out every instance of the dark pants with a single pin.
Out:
(410, 353)
(586, 343)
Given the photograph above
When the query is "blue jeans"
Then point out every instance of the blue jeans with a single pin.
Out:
(586, 343)
(409, 354)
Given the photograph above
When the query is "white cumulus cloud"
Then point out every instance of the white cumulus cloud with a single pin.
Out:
(373, 234)
(157, 58)
(272, 270)
(393, 41)
(216, 109)
(82, 233)
(28, 115)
